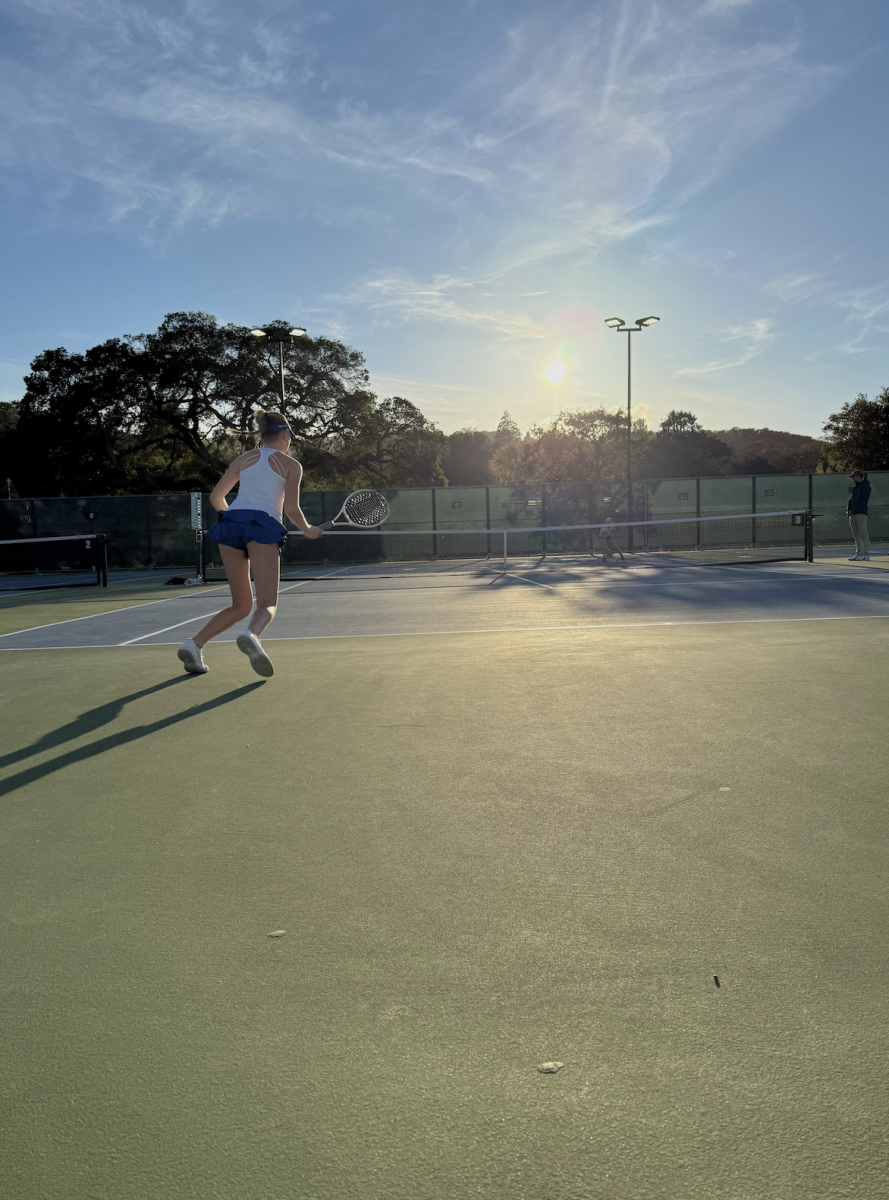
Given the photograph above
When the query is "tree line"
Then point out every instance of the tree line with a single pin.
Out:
(167, 411)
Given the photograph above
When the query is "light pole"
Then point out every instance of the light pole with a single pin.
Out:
(276, 336)
(620, 326)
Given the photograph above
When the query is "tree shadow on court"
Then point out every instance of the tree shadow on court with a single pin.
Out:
(87, 722)
(120, 739)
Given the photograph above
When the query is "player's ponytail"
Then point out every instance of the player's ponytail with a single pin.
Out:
(262, 419)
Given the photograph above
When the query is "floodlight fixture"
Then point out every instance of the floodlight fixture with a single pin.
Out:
(281, 339)
(646, 320)
(615, 322)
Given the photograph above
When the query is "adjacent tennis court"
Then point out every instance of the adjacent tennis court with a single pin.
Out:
(537, 883)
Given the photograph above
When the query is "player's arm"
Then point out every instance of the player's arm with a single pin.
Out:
(293, 477)
(228, 481)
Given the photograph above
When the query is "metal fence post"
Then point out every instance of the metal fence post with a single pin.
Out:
(488, 517)
(434, 525)
(753, 508)
(543, 514)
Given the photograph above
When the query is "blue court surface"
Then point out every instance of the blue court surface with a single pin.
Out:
(368, 607)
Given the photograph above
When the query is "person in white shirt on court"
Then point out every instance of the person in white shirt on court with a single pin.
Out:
(250, 534)
(606, 533)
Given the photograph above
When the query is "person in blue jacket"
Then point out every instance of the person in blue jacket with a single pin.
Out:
(856, 510)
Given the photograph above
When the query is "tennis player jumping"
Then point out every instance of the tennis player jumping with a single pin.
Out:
(250, 533)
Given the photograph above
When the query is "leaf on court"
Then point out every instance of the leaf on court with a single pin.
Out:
(278, 933)
(550, 1068)
(725, 789)
(397, 1010)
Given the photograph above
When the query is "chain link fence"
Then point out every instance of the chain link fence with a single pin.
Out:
(155, 531)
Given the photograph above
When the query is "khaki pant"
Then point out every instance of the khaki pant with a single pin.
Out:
(610, 549)
(858, 521)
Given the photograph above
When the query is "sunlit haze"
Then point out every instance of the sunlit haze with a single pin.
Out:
(463, 192)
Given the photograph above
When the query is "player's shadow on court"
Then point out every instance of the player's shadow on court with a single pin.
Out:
(87, 722)
(31, 774)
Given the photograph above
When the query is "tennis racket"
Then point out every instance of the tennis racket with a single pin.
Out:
(361, 510)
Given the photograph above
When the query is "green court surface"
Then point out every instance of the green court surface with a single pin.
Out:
(489, 852)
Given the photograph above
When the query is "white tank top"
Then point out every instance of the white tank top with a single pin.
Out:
(261, 487)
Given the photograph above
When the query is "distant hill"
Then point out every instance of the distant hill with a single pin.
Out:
(770, 450)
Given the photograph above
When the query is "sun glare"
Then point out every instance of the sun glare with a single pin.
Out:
(555, 372)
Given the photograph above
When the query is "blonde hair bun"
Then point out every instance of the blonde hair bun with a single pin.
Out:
(262, 419)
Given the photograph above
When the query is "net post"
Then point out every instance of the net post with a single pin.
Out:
(102, 560)
(505, 536)
(810, 535)
(197, 524)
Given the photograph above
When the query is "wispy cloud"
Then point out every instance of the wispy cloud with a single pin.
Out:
(868, 313)
(727, 6)
(398, 295)
(743, 342)
(571, 133)
(796, 288)
(866, 309)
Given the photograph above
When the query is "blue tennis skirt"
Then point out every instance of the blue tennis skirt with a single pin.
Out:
(236, 527)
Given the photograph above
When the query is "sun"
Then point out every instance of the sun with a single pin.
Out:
(555, 372)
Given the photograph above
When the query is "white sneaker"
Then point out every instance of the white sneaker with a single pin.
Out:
(864, 558)
(854, 558)
(248, 643)
(191, 655)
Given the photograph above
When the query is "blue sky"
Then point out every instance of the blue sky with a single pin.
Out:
(464, 192)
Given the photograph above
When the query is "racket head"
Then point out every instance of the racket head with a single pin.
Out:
(363, 509)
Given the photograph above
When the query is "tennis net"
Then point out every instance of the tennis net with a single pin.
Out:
(27, 564)
(566, 550)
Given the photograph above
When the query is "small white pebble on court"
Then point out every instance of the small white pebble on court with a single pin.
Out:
(278, 933)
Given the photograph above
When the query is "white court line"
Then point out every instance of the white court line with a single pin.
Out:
(548, 586)
(303, 583)
(109, 612)
(188, 622)
(332, 637)
(167, 629)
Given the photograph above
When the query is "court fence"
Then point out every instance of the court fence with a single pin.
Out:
(155, 530)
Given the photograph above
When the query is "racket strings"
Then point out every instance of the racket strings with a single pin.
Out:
(366, 508)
